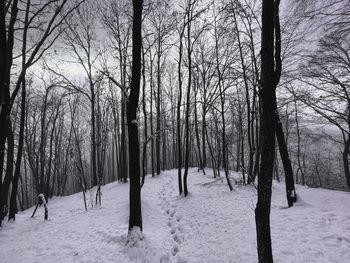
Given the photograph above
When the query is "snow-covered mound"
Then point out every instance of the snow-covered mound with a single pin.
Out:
(212, 224)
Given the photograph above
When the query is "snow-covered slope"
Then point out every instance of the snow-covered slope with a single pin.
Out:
(212, 224)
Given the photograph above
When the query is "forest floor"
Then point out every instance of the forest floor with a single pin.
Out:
(212, 224)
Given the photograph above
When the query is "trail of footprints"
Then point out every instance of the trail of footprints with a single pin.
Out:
(174, 218)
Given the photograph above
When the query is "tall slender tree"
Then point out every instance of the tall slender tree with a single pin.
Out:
(135, 219)
(282, 145)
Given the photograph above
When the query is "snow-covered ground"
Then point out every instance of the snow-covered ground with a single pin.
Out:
(212, 224)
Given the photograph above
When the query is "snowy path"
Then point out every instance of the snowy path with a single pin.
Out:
(212, 224)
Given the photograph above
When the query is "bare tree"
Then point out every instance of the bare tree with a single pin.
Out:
(191, 14)
(262, 211)
(327, 73)
(135, 219)
(282, 145)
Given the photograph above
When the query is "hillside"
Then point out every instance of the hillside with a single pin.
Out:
(212, 224)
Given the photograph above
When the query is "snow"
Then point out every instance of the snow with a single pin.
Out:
(211, 224)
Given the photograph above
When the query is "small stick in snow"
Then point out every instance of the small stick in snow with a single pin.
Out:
(41, 201)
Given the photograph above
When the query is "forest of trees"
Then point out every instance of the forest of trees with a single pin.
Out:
(89, 96)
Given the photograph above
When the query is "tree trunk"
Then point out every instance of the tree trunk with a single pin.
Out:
(346, 161)
(9, 173)
(276, 175)
(13, 202)
(178, 115)
(135, 219)
(288, 171)
(298, 139)
(151, 119)
(123, 168)
(262, 211)
(4, 88)
(6, 59)
(187, 114)
(158, 114)
(204, 127)
(144, 151)
(200, 162)
(93, 137)
(282, 145)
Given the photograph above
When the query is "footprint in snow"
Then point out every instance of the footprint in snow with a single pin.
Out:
(179, 227)
(335, 241)
(175, 250)
(178, 218)
(177, 239)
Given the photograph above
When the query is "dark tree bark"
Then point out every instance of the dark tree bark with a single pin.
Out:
(189, 14)
(262, 211)
(178, 114)
(124, 170)
(6, 57)
(345, 156)
(287, 166)
(151, 117)
(300, 168)
(13, 201)
(282, 145)
(144, 150)
(158, 132)
(93, 136)
(204, 127)
(9, 172)
(4, 87)
(3, 54)
(135, 219)
(200, 161)
(4, 91)
(165, 145)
